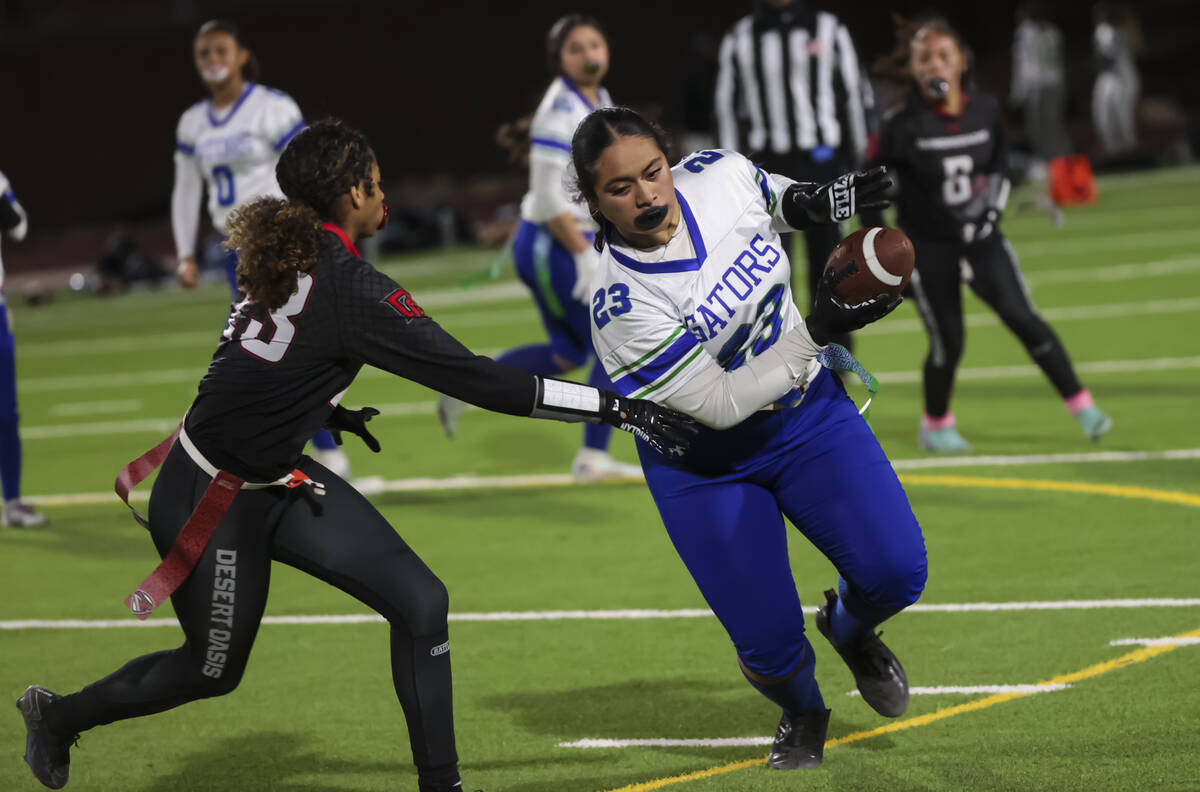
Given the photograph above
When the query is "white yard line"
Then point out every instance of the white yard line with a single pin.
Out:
(997, 460)
(68, 409)
(973, 690)
(1155, 642)
(636, 614)
(139, 343)
(1072, 245)
(664, 742)
(1115, 272)
(472, 482)
(427, 407)
(1071, 313)
(1029, 370)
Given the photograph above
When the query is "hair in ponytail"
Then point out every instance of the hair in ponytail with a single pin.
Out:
(275, 241)
(515, 138)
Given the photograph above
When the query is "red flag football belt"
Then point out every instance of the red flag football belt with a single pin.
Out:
(189, 545)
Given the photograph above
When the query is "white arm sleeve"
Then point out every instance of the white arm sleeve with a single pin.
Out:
(546, 186)
(721, 399)
(185, 204)
(18, 232)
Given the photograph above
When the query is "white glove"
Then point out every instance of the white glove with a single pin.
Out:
(982, 229)
(586, 262)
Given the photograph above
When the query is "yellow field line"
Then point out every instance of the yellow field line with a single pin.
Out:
(1047, 485)
(1131, 658)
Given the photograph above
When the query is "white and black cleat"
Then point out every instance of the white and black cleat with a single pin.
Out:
(880, 677)
(799, 741)
(47, 754)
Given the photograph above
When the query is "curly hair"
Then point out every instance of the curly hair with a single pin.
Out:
(277, 239)
(893, 68)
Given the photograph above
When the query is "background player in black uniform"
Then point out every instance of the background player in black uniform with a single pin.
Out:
(947, 147)
(314, 314)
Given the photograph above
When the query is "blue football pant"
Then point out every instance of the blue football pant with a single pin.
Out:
(839, 489)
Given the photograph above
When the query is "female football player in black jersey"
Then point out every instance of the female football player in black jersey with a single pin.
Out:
(225, 504)
(946, 144)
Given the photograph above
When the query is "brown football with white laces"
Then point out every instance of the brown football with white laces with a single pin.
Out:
(870, 262)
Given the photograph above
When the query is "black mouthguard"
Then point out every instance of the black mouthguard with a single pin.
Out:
(937, 89)
(591, 67)
(651, 218)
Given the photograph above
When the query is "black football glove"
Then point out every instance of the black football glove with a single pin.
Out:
(353, 421)
(805, 203)
(831, 317)
(667, 431)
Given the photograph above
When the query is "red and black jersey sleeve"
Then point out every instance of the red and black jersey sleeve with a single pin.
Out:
(382, 325)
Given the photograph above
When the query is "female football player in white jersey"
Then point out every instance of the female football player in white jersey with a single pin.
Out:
(553, 247)
(692, 308)
(16, 512)
(230, 144)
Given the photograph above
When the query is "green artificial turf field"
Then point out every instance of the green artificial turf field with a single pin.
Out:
(101, 380)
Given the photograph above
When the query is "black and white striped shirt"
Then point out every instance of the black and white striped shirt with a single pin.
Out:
(789, 80)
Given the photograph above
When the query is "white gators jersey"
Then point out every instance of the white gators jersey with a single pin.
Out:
(236, 149)
(656, 324)
(553, 126)
(18, 233)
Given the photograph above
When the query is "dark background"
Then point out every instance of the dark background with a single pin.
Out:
(93, 90)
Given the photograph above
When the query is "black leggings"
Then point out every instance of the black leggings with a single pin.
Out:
(339, 538)
(996, 277)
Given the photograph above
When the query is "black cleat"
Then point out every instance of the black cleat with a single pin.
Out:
(880, 677)
(46, 753)
(799, 741)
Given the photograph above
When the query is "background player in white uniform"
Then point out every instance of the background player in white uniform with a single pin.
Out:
(1115, 94)
(14, 224)
(692, 308)
(552, 249)
(229, 144)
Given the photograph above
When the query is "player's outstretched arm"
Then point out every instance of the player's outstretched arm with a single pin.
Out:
(805, 203)
(394, 334)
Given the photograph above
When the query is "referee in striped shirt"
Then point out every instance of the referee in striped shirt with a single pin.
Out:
(791, 96)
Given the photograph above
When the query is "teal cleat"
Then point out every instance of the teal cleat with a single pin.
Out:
(943, 441)
(1093, 422)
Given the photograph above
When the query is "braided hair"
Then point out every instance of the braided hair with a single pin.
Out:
(277, 239)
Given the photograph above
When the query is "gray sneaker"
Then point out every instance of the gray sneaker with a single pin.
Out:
(799, 741)
(880, 677)
(47, 754)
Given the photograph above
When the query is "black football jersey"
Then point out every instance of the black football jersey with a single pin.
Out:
(276, 375)
(942, 163)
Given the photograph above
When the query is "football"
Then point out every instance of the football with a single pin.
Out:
(870, 262)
